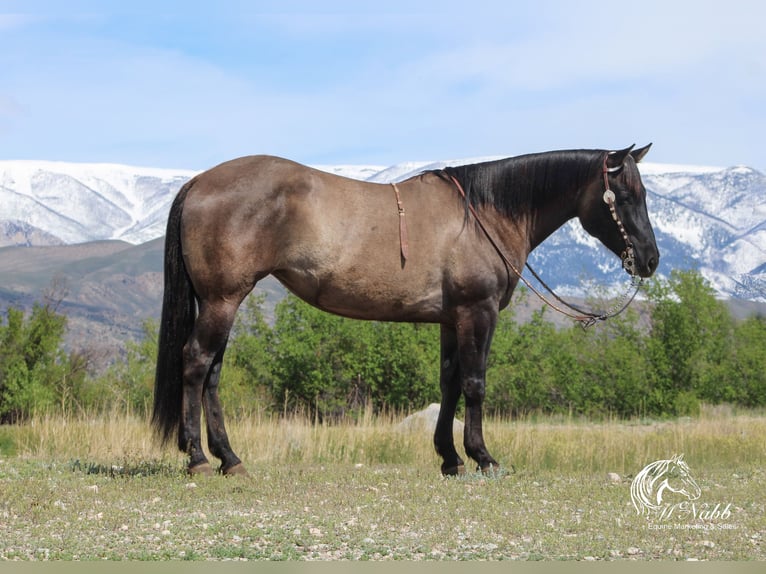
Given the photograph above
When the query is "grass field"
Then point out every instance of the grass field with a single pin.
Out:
(80, 488)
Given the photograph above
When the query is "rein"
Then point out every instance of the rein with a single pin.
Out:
(585, 318)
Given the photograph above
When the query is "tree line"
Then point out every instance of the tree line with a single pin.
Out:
(685, 350)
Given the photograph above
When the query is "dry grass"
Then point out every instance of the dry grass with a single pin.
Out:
(100, 488)
(718, 438)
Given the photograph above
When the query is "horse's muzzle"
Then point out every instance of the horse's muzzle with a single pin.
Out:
(641, 262)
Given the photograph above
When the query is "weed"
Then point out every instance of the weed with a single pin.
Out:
(7, 442)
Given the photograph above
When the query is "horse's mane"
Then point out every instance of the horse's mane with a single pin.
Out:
(515, 185)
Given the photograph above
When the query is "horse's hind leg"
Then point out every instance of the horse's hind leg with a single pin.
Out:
(202, 354)
(217, 439)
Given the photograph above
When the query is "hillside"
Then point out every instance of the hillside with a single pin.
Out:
(106, 288)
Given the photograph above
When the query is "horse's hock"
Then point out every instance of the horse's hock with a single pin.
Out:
(425, 421)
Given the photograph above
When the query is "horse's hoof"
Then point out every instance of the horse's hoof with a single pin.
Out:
(492, 469)
(202, 469)
(454, 470)
(236, 470)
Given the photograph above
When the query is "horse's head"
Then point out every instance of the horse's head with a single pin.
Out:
(613, 209)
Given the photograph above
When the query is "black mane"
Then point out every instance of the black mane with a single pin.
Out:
(515, 185)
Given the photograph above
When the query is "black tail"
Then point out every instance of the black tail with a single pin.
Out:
(179, 310)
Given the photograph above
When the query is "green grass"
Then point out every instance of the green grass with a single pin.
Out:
(101, 489)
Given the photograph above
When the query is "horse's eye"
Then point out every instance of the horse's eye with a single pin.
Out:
(626, 198)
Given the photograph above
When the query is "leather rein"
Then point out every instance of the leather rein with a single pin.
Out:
(584, 317)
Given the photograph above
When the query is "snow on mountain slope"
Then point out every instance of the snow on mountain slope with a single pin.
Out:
(86, 202)
(718, 220)
(710, 218)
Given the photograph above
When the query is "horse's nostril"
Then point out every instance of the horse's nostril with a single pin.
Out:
(652, 264)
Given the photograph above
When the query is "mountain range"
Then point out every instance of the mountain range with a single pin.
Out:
(94, 233)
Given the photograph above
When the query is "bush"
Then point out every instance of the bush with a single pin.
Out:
(331, 366)
(35, 372)
(689, 352)
(748, 362)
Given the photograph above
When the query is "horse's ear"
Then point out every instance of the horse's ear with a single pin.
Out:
(615, 159)
(678, 458)
(638, 154)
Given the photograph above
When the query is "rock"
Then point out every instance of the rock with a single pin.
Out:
(614, 477)
(425, 421)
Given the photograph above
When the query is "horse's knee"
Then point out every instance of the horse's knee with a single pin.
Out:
(474, 389)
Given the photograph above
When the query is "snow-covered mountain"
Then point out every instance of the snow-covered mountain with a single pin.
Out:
(709, 218)
(76, 203)
(716, 220)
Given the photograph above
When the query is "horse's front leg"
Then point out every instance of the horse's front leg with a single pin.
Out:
(474, 333)
(449, 382)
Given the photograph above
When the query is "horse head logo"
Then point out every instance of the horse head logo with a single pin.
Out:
(657, 478)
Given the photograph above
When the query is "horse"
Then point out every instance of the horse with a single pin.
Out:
(443, 247)
(649, 485)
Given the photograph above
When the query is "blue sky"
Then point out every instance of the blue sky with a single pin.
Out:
(191, 84)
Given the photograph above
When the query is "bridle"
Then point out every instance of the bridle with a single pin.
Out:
(584, 317)
(628, 256)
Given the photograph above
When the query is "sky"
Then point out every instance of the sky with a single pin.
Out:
(190, 84)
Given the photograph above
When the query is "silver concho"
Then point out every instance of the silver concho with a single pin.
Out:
(609, 196)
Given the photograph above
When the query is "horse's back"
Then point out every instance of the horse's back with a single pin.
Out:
(253, 173)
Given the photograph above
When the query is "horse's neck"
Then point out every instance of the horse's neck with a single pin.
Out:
(553, 203)
(544, 220)
(543, 192)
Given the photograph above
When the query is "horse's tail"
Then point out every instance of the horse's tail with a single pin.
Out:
(178, 314)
